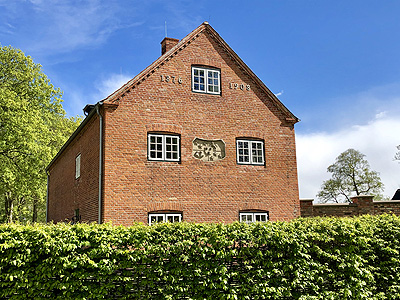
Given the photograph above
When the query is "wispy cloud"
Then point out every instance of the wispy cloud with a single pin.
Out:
(108, 85)
(63, 26)
(377, 140)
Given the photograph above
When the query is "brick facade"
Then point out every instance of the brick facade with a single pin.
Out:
(213, 191)
(65, 193)
(361, 205)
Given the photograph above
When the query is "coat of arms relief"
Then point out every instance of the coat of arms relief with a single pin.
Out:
(208, 150)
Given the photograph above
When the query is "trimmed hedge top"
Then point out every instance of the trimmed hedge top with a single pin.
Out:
(313, 258)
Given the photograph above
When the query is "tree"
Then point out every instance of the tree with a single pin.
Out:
(351, 175)
(33, 126)
(397, 155)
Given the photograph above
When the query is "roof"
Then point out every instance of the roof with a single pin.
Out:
(204, 27)
(396, 195)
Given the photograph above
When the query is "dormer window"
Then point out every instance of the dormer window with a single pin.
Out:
(205, 80)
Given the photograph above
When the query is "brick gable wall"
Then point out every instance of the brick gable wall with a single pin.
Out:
(204, 191)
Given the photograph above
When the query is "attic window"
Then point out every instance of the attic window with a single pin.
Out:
(205, 80)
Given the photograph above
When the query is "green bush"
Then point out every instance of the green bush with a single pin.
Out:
(312, 258)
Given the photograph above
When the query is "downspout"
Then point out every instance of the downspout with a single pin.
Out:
(100, 160)
(47, 196)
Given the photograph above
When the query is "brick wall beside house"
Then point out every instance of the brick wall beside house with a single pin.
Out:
(361, 205)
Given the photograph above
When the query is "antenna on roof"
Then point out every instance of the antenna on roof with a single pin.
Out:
(166, 35)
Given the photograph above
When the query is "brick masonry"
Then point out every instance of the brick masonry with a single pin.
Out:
(216, 191)
(361, 205)
(65, 193)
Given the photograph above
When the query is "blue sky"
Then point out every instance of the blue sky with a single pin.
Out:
(334, 64)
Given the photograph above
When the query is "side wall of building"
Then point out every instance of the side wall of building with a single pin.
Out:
(361, 205)
(203, 191)
(66, 194)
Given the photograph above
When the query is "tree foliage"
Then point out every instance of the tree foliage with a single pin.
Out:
(397, 155)
(33, 126)
(351, 175)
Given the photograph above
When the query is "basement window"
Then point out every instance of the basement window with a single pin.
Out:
(205, 80)
(163, 147)
(250, 152)
(252, 217)
(164, 217)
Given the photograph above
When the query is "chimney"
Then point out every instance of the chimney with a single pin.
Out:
(167, 44)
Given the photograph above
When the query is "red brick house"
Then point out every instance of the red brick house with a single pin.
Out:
(195, 137)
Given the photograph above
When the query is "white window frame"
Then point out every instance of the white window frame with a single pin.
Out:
(78, 166)
(164, 150)
(253, 216)
(164, 217)
(250, 152)
(206, 83)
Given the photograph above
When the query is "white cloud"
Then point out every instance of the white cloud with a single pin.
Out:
(377, 140)
(108, 85)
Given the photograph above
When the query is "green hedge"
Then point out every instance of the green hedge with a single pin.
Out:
(313, 258)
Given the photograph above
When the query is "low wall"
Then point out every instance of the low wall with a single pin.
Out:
(361, 205)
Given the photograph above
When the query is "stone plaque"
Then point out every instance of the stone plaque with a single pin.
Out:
(208, 150)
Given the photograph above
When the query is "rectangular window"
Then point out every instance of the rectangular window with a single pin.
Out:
(206, 80)
(251, 217)
(78, 166)
(250, 152)
(164, 217)
(163, 147)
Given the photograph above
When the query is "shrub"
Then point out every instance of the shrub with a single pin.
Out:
(307, 258)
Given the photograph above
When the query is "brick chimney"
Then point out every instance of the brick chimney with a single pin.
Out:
(167, 44)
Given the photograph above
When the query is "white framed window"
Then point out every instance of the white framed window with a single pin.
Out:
(164, 217)
(206, 80)
(78, 166)
(163, 147)
(250, 152)
(251, 217)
